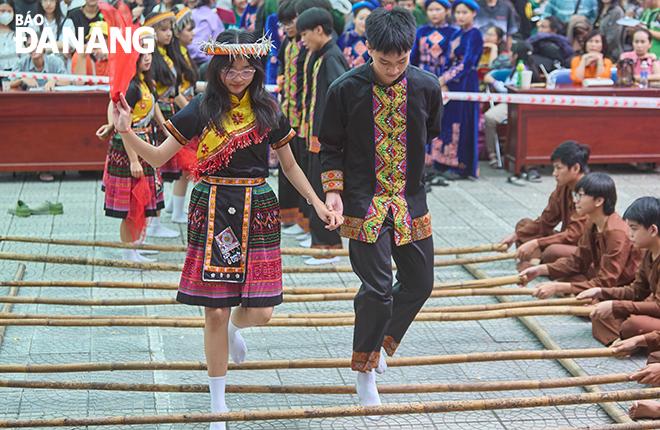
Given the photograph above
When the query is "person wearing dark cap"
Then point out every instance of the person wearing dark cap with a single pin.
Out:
(378, 119)
(455, 151)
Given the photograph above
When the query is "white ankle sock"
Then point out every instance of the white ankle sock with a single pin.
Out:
(237, 348)
(168, 204)
(130, 255)
(155, 221)
(382, 365)
(178, 209)
(217, 387)
(367, 391)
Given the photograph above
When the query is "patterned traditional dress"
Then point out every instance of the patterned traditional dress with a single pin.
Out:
(117, 180)
(171, 170)
(234, 221)
(456, 148)
(431, 49)
(354, 48)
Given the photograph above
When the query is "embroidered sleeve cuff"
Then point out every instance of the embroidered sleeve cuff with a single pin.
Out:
(175, 133)
(333, 180)
(287, 139)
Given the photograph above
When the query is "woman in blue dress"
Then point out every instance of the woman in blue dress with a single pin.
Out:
(456, 150)
(353, 43)
(431, 49)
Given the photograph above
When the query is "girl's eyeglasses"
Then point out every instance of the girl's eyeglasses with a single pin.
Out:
(245, 74)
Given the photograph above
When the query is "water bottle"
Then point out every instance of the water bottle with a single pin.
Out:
(644, 79)
(520, 67)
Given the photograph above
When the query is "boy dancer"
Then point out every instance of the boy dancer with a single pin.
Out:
(605, 244)
(326, 64)
(378, 119)
(627, 311)
(538, 239)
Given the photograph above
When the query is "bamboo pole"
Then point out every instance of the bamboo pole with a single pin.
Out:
(343, 411)
(434, 294)
(198, 322)
(13, 291)
(172, 301)
(172, 267)
(487, 283)
(183, 248)
(569, 364)
(321, 363)
(461, 387)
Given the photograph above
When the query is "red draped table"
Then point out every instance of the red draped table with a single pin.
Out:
(52, 131)
(616, 135)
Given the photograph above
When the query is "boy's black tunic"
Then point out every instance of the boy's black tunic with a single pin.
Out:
(373, 143)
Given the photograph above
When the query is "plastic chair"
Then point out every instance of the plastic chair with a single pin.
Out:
(498, 75)
(561, 76)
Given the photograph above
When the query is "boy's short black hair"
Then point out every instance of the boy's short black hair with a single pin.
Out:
(314, 17)
(599, 185)
(286, 11)
(644, 211)
(391, 30)
(303, 5)
(571, 153)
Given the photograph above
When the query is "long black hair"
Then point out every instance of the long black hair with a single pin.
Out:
(601, 6)
(188, 71)
(12, 24)
(147, 76)
(215, 103)
(160, 70)
(59, 18)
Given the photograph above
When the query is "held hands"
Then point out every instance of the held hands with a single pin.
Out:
(332, 218)
(121, 114)
(333, 202)
(105, 132)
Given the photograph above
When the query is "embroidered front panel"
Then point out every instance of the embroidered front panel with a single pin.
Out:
(302, 129)
(244, 234)
(313, 144)
(332, 180)
(390, 109)
(291, 83)
(144, 110)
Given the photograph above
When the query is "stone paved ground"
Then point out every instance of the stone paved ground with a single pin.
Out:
(466, 213)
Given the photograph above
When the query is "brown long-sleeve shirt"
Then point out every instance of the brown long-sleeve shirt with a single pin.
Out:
(610, 251)
(632, 299)
(560, 208)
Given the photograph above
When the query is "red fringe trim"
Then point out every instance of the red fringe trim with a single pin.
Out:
(221, 159)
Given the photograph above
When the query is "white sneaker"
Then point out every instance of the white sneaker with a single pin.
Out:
(303, 236)
(145, 251)
(321, 261)
(294, 229)
(160, 231)
(307, 243)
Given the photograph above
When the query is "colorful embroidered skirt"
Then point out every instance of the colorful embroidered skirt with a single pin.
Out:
(171, 170)
(118, 182)
(263, 268)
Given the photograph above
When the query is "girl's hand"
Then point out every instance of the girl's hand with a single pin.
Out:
(332, 218)
(105, 132)
(136, 169)
(121, 114)
(591, 293)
